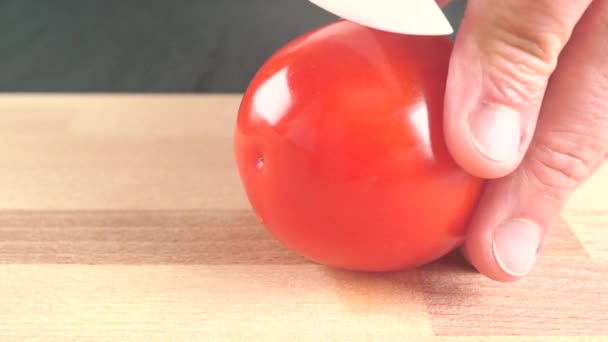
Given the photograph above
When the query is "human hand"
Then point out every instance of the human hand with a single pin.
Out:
(527, 107)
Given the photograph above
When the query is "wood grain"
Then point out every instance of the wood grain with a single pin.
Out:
(564, 295)
(123, 218)
(238, 300)
(207, 237)
(118, 152)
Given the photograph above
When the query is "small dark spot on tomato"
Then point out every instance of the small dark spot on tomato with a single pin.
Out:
(260, 163)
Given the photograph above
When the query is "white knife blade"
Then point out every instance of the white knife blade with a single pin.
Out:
(415, 17)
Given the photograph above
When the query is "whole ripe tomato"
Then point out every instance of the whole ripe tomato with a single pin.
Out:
(340, 147)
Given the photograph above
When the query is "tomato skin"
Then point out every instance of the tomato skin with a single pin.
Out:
(339, 145)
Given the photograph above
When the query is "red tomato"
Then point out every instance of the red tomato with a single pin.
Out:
(340, 148)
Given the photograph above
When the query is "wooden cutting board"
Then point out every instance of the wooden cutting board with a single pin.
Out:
(123, 219)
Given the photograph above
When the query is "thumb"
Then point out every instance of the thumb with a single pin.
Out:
(503, 57)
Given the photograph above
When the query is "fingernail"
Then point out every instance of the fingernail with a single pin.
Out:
(496, 132)
(516, 245)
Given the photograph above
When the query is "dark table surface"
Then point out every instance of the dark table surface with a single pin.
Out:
(147, 45)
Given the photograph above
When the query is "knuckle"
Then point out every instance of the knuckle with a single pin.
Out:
(520, 56)
(559, 171)
(516, 82)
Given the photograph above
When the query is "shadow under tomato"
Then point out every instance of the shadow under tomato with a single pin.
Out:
(452, 262)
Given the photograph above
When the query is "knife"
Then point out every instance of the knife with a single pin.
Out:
(415, 17)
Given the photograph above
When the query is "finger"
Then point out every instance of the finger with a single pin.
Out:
(503, 56)
(516, 212)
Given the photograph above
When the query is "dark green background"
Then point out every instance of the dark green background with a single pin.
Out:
(147, 45)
